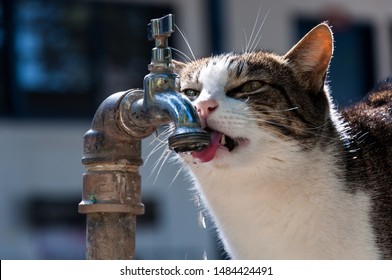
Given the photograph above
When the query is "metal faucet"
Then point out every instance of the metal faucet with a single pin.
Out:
(111, 196)
(161, 103)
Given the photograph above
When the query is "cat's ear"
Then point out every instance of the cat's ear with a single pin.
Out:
(178, 66)
(311, 56)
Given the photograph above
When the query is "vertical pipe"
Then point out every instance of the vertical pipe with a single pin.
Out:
(111, 196)
(111, 236)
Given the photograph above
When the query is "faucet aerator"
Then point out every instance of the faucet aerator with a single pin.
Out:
(185, 140)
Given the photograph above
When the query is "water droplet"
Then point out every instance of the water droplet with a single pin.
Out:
(198, 200)
(196, 161)
(202, 220)
(205, 257)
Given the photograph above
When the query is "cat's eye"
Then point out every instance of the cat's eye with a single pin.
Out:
(251, 86)
(192, 94)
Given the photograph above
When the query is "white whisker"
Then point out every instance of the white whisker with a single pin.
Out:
(248, 116)
(253, 30)
(255, 40)
(177, 174)
(154, 150)
(278, 111)
(186, 41)
(304, 130)
(182, 55)
(244, 47)
(157, 163)
(168, 152)
(159, 144)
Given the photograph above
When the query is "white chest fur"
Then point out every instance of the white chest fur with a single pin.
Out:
(287, 208)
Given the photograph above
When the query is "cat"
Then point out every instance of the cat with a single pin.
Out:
(287, 176)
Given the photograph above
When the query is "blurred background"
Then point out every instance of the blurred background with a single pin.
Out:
(59, 59)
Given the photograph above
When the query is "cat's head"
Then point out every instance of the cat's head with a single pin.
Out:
(249, 100)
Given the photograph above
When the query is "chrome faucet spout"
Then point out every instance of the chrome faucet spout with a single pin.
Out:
(188, 135)
(167, 107)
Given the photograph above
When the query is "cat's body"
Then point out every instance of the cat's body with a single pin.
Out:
(286, 176)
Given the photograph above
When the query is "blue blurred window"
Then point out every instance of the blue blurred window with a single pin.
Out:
(62, 58)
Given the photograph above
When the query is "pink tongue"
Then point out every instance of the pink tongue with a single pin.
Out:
(209, 152)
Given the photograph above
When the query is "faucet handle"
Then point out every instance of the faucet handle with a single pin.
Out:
(160, 27)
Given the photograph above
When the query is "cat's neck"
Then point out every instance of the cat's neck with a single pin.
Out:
(290, 205)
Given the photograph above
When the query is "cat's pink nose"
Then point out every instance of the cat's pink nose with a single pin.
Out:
(205, 108)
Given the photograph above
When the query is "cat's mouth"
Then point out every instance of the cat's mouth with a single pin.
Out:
(219, 140)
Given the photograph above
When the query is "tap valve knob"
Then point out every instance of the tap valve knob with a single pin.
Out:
(160, 29)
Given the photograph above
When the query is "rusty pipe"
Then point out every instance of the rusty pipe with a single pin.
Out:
(111, 196)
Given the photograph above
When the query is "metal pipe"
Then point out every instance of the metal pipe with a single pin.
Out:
(111, 196)
(111, 185)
